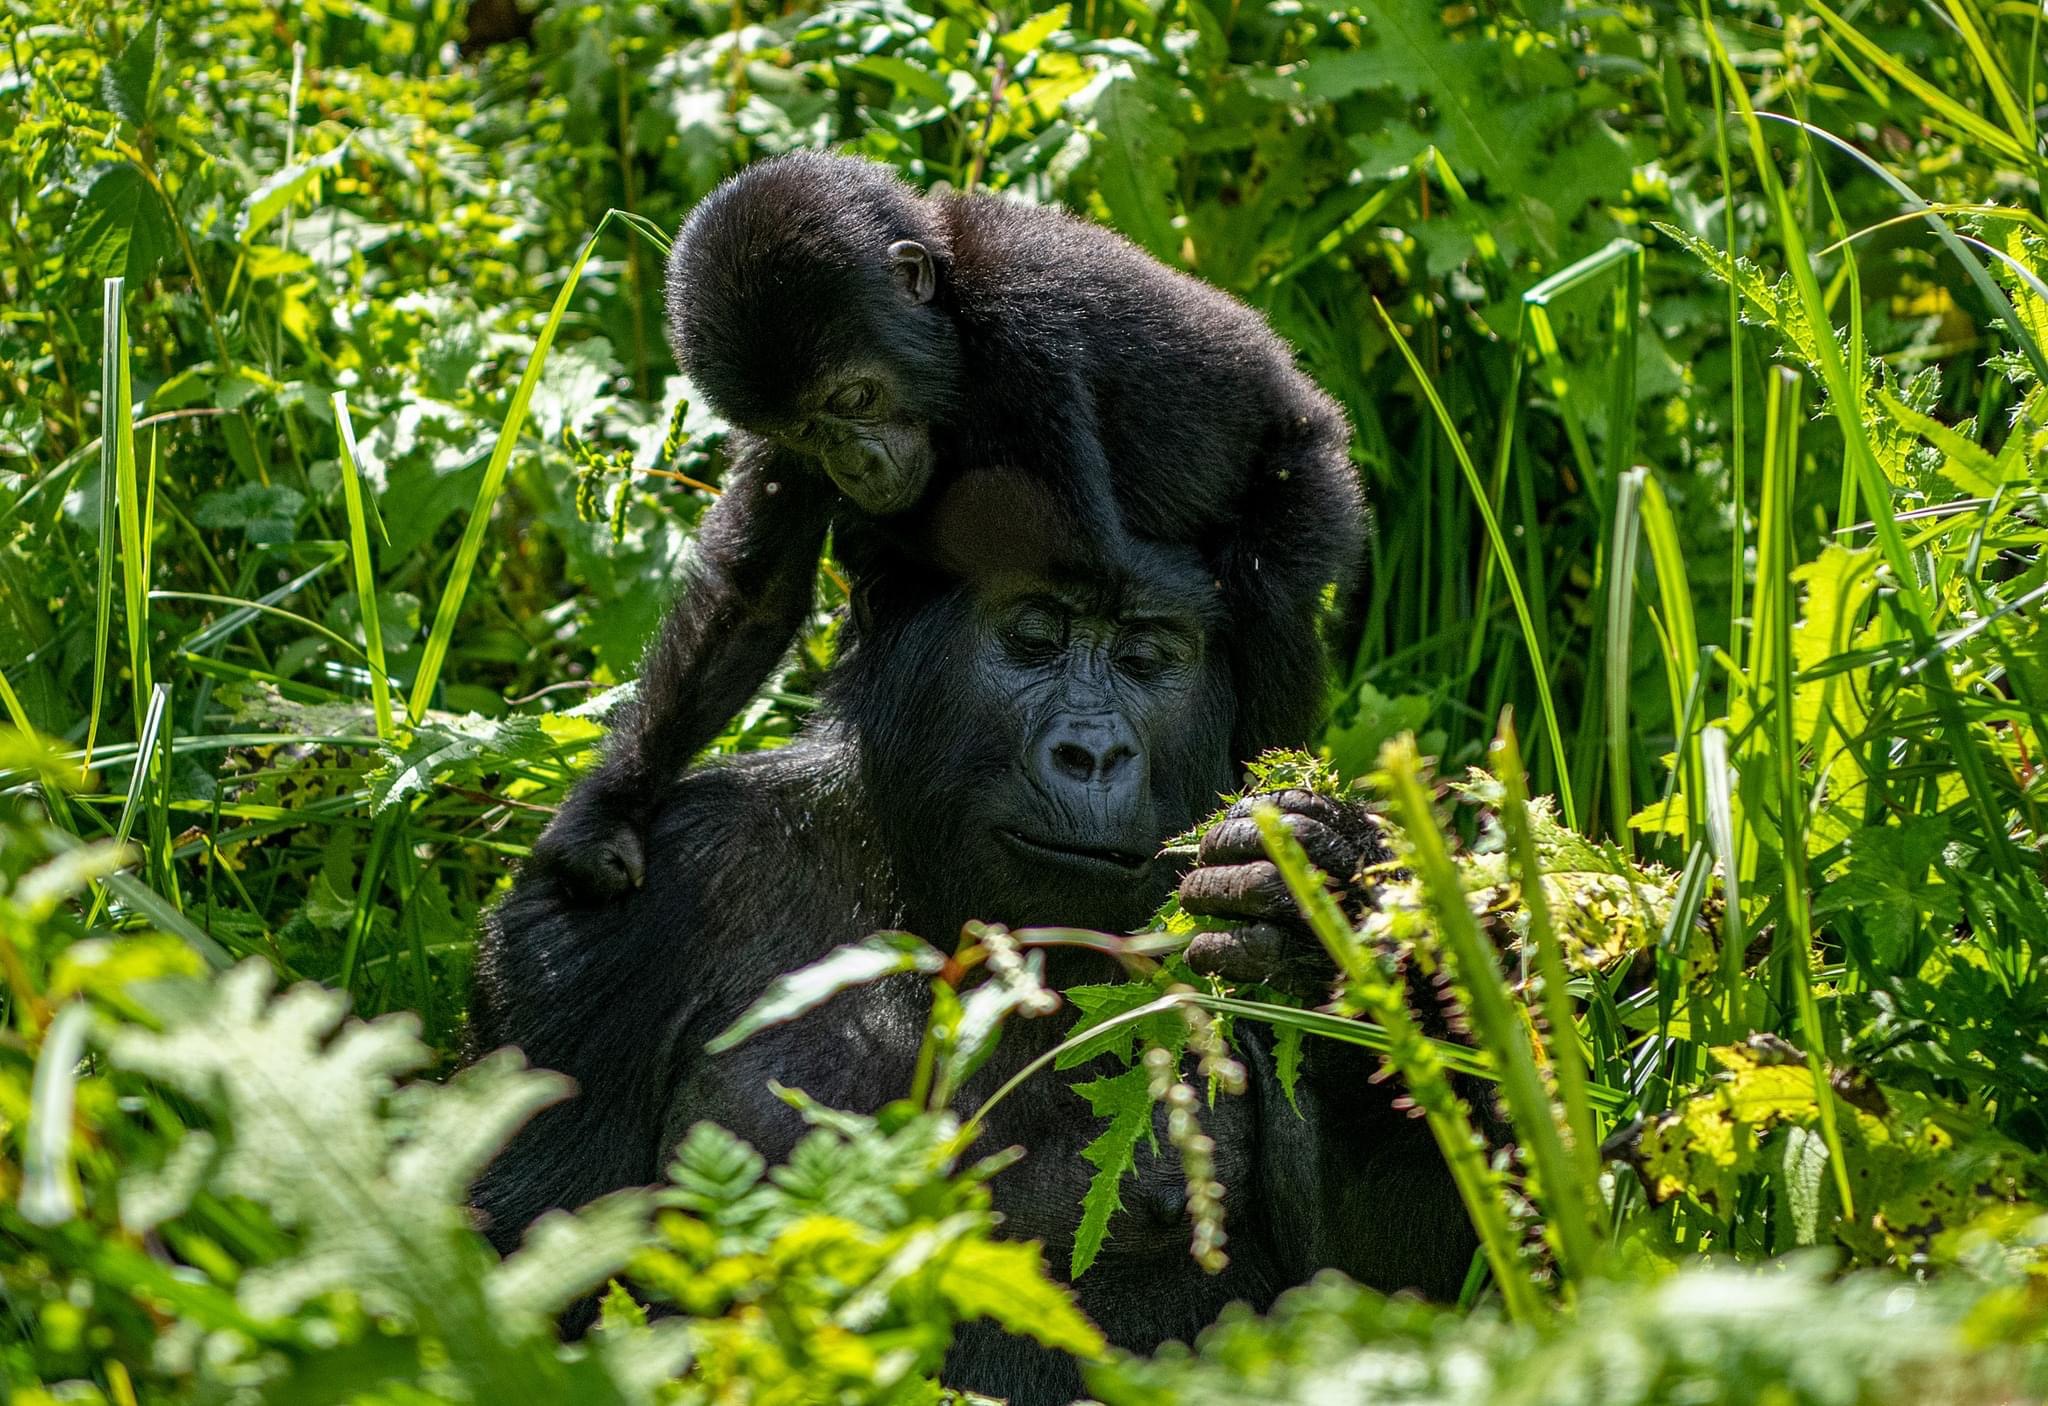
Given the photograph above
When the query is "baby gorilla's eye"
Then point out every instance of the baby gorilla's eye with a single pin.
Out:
(853, 398)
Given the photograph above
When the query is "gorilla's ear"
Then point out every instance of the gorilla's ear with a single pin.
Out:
(915, 272)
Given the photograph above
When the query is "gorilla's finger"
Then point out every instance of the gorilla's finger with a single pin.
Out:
(1236, 840)
(1237, 891)
(1291, 802)
(1249, 953)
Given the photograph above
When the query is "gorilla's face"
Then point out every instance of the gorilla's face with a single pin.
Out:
(1044, 739)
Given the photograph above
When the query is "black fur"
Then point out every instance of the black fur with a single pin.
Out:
(944, 731)
(1059, 388)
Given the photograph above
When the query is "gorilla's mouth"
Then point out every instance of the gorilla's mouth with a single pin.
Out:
(1101, 858)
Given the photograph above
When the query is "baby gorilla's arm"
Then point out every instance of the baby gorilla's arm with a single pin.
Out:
(746, 588)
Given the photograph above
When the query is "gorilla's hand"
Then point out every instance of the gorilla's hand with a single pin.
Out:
(594, 846)
(1232, 878)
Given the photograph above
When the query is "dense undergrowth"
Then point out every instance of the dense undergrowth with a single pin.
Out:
(1698, 375)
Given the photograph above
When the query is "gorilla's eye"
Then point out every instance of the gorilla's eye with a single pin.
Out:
(853, 398)
(1147, 657)
(1032, 634)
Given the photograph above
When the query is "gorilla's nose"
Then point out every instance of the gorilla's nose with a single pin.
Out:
(1086, 752)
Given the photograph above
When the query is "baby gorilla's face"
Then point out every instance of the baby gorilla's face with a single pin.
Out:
(869, 436)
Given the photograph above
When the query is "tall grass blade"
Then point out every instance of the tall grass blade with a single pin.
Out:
(1622, 554)
(1681, 637)
(365, 573)
(1944, 108)
(1776, 683)
(1415, 1060)
(1718, 777)
(1539, 666)
(1956, 243)
(1844, 399)
(1567, 1056)
(114, 433)
(1565, 1196)
(435, 653)
(147, 737)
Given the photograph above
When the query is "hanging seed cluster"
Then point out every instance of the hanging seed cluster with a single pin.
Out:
(1197, 1154)
(594, 472)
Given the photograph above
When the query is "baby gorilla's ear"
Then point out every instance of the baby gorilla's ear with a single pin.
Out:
(915, 272)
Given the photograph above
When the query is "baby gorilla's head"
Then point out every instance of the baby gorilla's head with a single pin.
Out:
(804, 303)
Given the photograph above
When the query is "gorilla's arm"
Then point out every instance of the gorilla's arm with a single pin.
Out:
(1350, 1182)
(746, 588)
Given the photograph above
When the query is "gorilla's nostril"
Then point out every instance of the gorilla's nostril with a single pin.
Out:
(1074, 760)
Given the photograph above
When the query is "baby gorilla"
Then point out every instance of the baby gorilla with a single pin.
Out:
(933, 378)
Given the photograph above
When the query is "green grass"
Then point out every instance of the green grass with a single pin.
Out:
(1696, 362)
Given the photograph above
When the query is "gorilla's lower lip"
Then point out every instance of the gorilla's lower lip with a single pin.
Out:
(1097, 856)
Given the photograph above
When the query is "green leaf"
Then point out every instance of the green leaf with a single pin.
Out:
(263, 512)
(713, 1168)
(128, 84)
(1126, 1100)
(467, 748)
(1100, 1003)
(1006, 1281)
(119, 227)
(274, 195)
(1886, 887)
(1133, 156)
(1287, 1062)
(1967, 465)
(855, 964)
(1031, 36)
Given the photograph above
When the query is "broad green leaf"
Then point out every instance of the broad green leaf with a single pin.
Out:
(128, 84)
(261, 512)
(119, 227)
(1132, 157)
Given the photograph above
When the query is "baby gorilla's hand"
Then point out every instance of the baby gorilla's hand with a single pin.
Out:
(1232, 878)
(594, 845)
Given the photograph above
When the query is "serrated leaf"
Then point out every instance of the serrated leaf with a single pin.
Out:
(856, 964)
(1126, 1100)
(128, 84)
(564, 1257)
(1287, 1063)
(1101, 1003)
(1006, 1281)
(1966, 464)
(713, 1168)
(119, 227)
(467, 748)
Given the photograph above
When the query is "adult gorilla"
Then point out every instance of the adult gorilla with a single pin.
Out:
(1010, 749)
